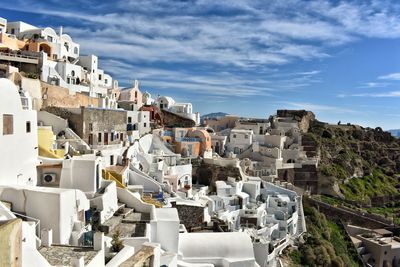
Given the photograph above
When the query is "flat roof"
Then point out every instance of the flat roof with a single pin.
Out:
(240, 131)
(383, 232)
(54, 190)
(60, 255)
(167, 214)
(140, 257)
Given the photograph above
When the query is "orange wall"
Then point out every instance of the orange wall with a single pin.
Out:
(11, 43)
(181, 146)
(205, 143)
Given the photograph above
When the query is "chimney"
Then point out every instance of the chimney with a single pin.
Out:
(98, 241)
(61, 31)
(47, 237)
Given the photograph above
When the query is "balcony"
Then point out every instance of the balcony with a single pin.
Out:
(19, 58)
(110, 146)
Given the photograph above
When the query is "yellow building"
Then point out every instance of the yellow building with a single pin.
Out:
(46, 139)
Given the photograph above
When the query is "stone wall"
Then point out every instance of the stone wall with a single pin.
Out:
(172, 120)
(104, 120)
(190, 216)
(61, 97)
(305, 177)
(11, 243)
(74, 120)
(86, 121)
(349, 216)
(303, 117)
(208, 174)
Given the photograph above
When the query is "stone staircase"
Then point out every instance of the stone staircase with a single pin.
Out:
(301, 222)
(75, 141)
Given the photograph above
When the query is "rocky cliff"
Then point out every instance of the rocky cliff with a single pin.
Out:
(355, 159)
(303, 117)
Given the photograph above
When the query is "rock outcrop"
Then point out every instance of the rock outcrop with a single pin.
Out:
(208, 174)
(303, 117)
(349, 151)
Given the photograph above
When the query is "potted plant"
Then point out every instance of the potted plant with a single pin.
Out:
(116, 242)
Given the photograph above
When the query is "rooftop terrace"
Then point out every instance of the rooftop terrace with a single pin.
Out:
(61, 255)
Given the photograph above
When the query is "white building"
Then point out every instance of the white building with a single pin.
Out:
(63, 64)
(15, 28)
(138, 123)
(18, 136)
(98, 80)
(61, 210)
(239, 140)
(258, 126)
(218, 143)
(3, 25)
(182, 109)
(62, 45)
(216, 249)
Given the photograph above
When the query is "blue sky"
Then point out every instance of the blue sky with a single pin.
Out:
(339, 59)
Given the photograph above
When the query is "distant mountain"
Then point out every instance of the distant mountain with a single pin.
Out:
(214, 115)
(395, 133)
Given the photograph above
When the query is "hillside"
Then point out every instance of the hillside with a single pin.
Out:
(326, 244)
(356, 163)
(214, 115)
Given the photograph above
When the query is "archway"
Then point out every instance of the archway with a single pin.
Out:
(45, 48)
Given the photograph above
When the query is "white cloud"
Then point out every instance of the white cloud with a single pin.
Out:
(374, 85)
(236, 45)
(384, 94)
(391, 76)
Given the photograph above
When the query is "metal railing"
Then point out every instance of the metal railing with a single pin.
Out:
(18, 55)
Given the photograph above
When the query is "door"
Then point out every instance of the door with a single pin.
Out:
(106, 138)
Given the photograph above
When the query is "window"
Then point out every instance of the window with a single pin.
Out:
(112, 160)
(234, 136)
(100, 77)
(144, 125)
(135, 94)
(28, 126)
(50, 39)
(246, 136)
(105, 81)
(68, 80)
(12, 31)
(112, 137)
(121, 136)
(72, 73)
(8, 124)
(90, 126)
(99, 138)
(66, 46)
(76, 50)
(54, 56)
(129, 119)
